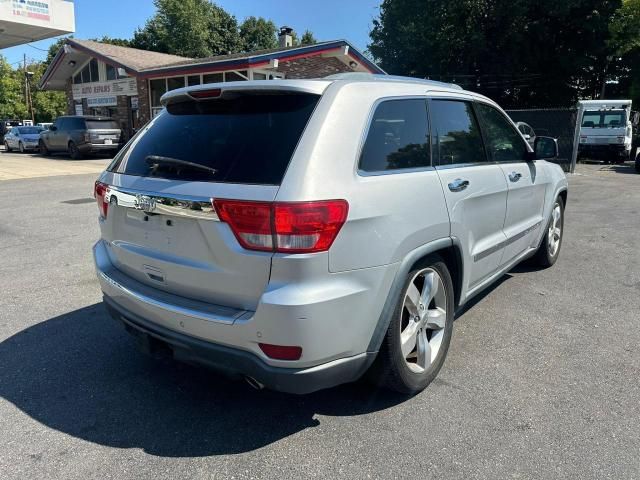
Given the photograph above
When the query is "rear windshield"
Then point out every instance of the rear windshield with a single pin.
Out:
(246, 139)
(102, 125)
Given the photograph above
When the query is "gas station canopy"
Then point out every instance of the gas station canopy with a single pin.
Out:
(24, 21)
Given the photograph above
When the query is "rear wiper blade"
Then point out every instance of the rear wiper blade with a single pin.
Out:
(160, 160)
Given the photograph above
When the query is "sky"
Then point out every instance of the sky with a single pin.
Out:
(327, 19)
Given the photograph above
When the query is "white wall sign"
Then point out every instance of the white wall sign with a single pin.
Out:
(102, 102)
(134, 103)
(79, 109)
(105, 89)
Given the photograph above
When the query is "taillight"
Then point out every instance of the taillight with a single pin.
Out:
(285, 227)
(99, 192)
(211, 93)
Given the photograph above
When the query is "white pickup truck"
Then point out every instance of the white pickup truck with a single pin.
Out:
(606, 130)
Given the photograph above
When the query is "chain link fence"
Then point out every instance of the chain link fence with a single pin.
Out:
(559, 123)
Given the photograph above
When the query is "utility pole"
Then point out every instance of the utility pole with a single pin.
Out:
(27, 89)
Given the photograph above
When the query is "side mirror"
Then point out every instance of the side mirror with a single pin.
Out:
(635, 117)
(53, 128)
(545, 147)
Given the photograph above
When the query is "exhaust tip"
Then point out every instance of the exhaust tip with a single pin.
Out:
(254, 383)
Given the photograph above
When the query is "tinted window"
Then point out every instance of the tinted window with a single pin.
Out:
(608, 119)
(397, 137)
(502, 141)
(193, 80)
(455, 134)
(102, 124)
(212, 78)
(93, 67)
(246, 139)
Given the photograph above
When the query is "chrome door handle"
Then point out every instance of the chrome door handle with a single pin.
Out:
(515, 176)
(458, 185)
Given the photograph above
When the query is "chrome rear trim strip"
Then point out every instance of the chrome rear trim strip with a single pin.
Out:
(199, 208)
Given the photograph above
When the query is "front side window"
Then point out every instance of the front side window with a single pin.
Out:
(455, 133)
(398, 137)
(502, 141)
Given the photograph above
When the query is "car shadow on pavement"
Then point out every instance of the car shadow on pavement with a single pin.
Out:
(81, 374)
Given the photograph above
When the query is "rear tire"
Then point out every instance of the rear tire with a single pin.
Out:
(7, 147)
(549, 249)
(74, 153)
(417, 341)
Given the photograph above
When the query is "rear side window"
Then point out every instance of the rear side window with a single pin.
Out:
(456, 135)
(398, 137)
(502, 141)
(241, 139)
(102, 124)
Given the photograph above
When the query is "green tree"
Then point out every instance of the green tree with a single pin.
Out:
(191, 28)
(308, 38)
(257, 33)
(519, 52)
(12, 99)
(120, 42)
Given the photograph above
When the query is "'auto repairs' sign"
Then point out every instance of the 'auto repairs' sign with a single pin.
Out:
(126, 86)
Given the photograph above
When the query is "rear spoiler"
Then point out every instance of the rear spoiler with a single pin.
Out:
(220, 90)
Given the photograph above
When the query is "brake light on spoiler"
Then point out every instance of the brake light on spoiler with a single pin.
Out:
(284, 227)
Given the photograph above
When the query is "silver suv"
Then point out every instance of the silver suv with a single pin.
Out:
(302, 233)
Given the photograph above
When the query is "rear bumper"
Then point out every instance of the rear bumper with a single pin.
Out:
(235, 362)
(98, 147)
(604, 150)
(332, 322)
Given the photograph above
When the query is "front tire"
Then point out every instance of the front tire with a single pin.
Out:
(417, 341)
(43, 148)
(549, 250)
(7, 147)
(21, 147)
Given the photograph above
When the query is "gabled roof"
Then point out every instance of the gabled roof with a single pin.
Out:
(144, 63)
(126, 57)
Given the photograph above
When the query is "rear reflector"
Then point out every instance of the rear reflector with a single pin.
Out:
(286, 227)
(281, 352)
(99, 192)
(211, 93)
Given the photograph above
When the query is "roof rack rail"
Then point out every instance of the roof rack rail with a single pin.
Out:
(389, 78)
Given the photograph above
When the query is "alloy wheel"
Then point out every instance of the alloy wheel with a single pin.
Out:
(424, 316)
(555, 230)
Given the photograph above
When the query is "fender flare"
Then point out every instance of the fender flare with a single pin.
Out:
(396, 287)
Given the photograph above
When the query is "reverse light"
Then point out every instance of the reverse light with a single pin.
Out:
(285, 227)
(281, 352)
(100, 192)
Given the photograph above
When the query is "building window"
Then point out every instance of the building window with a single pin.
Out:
(157, 88)
(259, 76)
(235, 76)
(213, 78)
(88, 74)
(193, 80)
(112, 73)
(175, 82)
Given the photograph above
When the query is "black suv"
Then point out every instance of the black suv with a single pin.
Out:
(81, 135)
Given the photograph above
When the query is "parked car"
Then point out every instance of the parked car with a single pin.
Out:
(637, 163)
(307, 233)
(81, 135)
(44, 125)
(22, 138)
(528, 132)
(6, 126)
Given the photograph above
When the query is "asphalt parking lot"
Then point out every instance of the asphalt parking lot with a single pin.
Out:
(541, 381)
